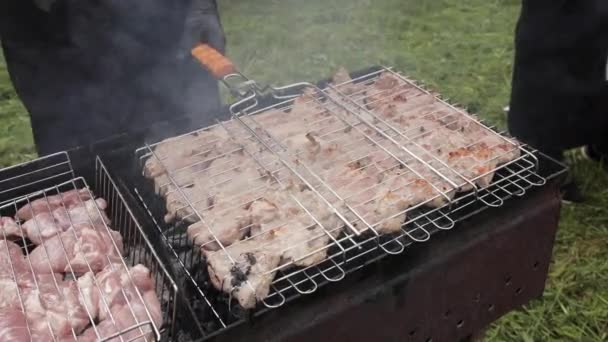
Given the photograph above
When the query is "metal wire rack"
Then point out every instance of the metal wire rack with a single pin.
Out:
(41, 173)
(217, 313)
(59, 286)
(356, 140)
(443, 135)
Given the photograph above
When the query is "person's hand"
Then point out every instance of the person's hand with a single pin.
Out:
(203, 25)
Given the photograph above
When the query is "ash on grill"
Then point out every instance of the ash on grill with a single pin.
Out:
(281, 200)
(66, 273)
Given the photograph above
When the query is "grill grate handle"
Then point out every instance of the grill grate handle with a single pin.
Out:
(213, 60)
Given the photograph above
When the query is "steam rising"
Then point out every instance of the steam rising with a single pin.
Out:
(138, 53)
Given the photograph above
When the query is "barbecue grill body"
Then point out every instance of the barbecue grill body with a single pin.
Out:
(446, 290)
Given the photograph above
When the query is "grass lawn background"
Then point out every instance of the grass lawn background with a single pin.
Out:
(463, 48)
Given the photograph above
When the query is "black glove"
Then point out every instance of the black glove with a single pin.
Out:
(203, 25)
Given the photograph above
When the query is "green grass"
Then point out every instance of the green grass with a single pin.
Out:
(463, 48)
(16, 142)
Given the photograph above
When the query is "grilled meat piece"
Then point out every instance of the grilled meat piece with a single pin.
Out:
(386, 90)
(413, 103)
(48, 204)
(402, 190)
(387, 81)
(382, 205)
(474, 163)
(224, 185)
(175, 153)
(125, 318)
(284, 122)
(89, 293)
(303, 243)
(13, 326)
(225, 228)
(282, 224)
(177, 202)
(9, 296)
(304, 146)
(13, 266)
(126, 298)
(245, 270)
(225, 210)
(344, 82)
(80, 249)
(341, 76)
(388, 212)
(53, 255)
(43, 226)
(96, 247)
(57, 304)
(9, 228)
(503, 149)
(13, 272)
(183, 157)
(35, 296)
(46, 225)
(463, 162)
(453, 142)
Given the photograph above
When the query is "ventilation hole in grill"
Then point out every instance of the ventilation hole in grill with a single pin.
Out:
(413, 332)
(518, 290)
(477, 298)
(447, 314)
(536, 264)
(491, 307)
(508, 280)
(460, 324)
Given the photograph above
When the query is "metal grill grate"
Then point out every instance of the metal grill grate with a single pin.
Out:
(40, 173)
(192, 170)
(59, 284)
(430, 127)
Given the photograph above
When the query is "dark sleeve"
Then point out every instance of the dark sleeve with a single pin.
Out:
(23, 22)
(561, 45)
(561, 24)
(19, 19)
(203, 24)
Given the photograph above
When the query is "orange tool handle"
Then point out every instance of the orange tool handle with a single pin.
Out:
(213, 60)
